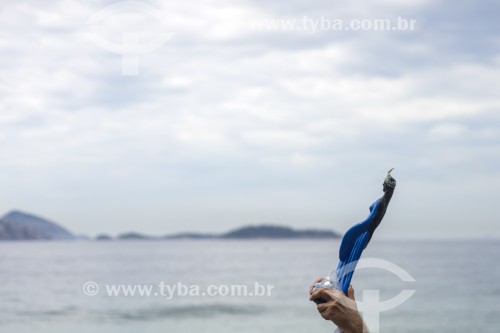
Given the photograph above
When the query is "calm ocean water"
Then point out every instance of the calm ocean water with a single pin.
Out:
(457, 285)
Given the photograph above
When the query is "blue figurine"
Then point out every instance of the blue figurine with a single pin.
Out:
(355, 241)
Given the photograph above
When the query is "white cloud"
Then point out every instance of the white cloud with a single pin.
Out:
(222, 110)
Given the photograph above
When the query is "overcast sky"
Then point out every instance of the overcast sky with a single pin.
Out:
(229, 124)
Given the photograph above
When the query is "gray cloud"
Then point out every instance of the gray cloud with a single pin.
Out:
(228, 125)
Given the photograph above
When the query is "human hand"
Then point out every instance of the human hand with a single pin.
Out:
(311, 287)
(339, 308)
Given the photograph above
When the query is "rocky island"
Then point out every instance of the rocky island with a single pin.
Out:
(17, 225)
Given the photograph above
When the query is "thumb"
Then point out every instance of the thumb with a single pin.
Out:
(350, 292)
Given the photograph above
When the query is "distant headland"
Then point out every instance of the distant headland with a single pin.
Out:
(17, 225)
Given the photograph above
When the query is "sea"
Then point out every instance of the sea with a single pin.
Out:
(62, 286)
